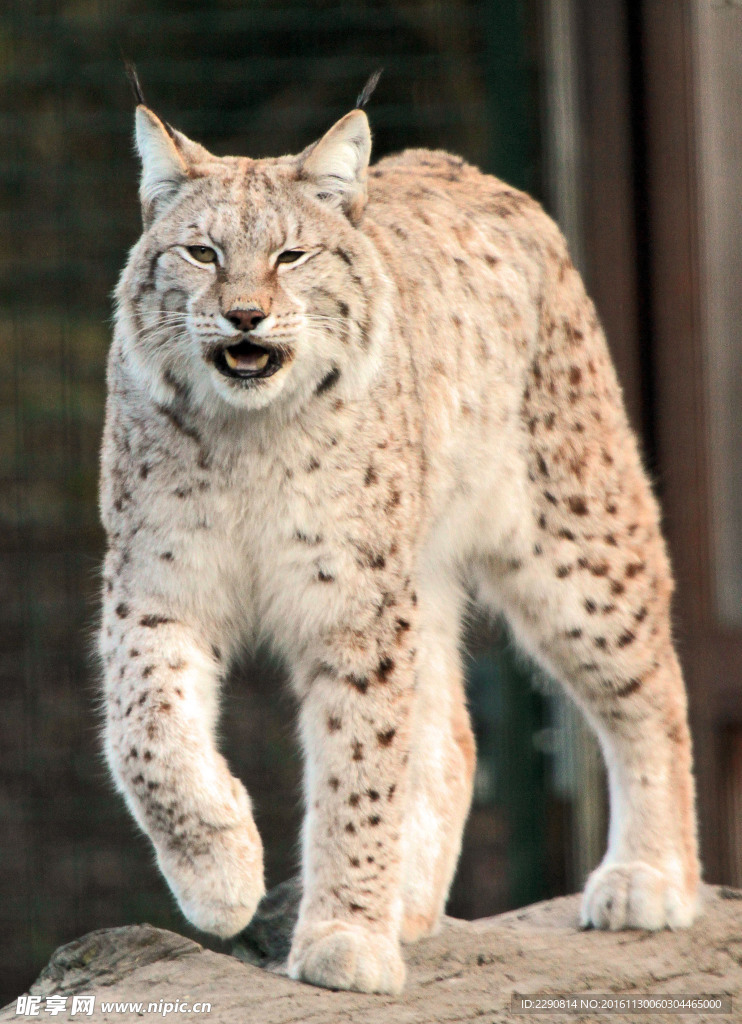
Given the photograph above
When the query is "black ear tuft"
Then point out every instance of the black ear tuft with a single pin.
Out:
(365, 94)
(136, 87)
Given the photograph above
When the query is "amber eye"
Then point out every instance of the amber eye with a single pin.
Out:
(202, 253)
(289, 256)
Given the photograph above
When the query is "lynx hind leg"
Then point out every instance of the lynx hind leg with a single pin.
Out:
(650, 873)
(586, 588)
(442, 764)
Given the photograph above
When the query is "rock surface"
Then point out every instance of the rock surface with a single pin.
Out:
(468, 972)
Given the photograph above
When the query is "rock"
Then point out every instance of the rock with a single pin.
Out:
(267, 939)
(468, 972)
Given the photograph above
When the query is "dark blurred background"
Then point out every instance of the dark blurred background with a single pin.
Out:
(625, 118)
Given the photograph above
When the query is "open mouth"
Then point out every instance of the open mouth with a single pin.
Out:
(245, 361)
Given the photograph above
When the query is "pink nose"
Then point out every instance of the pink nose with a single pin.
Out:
(245, 319)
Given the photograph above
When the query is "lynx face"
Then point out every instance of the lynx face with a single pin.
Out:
(250, 284)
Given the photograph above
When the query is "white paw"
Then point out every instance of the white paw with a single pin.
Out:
(219, 883)
(635, 895)
(334, 954)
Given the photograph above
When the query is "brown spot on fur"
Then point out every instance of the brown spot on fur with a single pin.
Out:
(354, 799)
(147, 671)
(354, 862)
(600, 569)
(360, 683)
(590, 607)
(325, 577)
(542, 521)
(385, 738)
(371, 477)
(631, 687)
(313, 465)
(626, 638)
(641, 615)
(333, 783)
(166, 556)
(634, 569)
(385, 667)
(562, 571)
(566, 535)
(575, 375)
(675, 734)
(373, 795)
(357, 751)
(611, 540)
(350, 828)
(601, 643)
(537, 549)
(550, 498)
(392, 790)
(573, 634)
(577, 505)
(152, 621)
(617, 588)
(374, 820)
(134, 652)
(333, 724)
(122, 610)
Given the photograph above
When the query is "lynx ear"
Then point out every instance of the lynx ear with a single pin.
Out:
(163, 168)
(337, 165)
(168, 158)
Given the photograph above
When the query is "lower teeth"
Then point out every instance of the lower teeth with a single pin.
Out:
(236, 364)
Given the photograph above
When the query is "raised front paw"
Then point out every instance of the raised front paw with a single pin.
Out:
(636, 895)
(217, 879)
(335, 954)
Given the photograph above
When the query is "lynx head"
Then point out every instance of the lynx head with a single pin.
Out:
(253, 283)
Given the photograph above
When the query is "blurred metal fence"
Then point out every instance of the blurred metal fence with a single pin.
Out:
(256, 77)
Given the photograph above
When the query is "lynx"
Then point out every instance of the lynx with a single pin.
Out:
(344, 401)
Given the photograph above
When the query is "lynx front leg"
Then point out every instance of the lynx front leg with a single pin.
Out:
(442, 762)
(355, 731)
(161, 691)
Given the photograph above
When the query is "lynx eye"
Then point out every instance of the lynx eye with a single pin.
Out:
(289, 256)
(202, 253)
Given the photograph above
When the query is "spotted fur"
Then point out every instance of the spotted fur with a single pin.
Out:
(445, 422)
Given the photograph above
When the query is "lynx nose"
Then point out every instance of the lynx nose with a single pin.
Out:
(245, 319)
